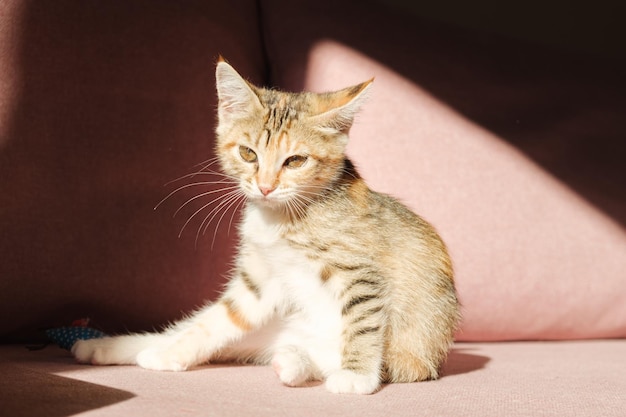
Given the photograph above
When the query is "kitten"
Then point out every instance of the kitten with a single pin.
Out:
(332, 282)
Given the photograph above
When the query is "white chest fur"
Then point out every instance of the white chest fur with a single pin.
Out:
(292, 281)
(274, 260)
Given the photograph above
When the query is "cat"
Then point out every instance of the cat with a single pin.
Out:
(332, 281)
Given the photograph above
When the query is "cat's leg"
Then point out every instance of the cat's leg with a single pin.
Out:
(363, 316)
(293, 365)
(277, 345)
(117, 350)
(189, 342)
(196, 339)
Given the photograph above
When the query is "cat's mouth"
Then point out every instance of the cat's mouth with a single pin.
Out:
(290, 200)
(285, 203)
(272, 201)
(263, 195)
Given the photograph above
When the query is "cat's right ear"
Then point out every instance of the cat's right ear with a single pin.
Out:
(236, 97)
(335, 111)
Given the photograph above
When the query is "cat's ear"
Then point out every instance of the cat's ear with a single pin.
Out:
(336, 111)
(236, 97)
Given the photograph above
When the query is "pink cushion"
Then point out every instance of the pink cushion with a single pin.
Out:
(479, 379)
(534, 258)
(101, 104)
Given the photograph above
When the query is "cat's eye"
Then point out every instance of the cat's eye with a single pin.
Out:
(247, 154)
(295, 161)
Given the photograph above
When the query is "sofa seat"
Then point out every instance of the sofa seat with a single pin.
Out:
(513, 149)
(562, 379)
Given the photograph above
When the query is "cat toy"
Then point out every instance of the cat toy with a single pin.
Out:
(66, 336)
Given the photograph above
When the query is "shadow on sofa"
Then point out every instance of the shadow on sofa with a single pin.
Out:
(28, 392)
(561, 108)
(463, 361)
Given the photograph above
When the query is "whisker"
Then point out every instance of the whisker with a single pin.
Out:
(188, 186)
(204, 170)
(232, 216)
(217, 173)
(323, 189)
(294, 208)
(219, 221)
(288, 209)
(202, 208)
(224, 200)
(203, 195)
(301, 206)
(208, 162)
(304, 196)
(194, 174)
(226, 192)
(304, 199)
(227, 201)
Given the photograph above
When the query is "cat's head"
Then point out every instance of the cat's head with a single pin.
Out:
(282, 147)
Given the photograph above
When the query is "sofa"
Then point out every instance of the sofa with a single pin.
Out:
(513, 148)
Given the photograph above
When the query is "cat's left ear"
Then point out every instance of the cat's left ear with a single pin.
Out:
(236, 97)
(336, 111)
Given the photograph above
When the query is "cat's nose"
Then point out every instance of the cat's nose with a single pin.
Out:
(265, 190)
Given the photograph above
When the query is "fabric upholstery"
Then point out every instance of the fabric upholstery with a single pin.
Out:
(494, 379)
(509, 149)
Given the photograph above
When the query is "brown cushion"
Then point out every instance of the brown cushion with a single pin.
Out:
(101, 104)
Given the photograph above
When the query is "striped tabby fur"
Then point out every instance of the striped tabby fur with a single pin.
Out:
(333, 281)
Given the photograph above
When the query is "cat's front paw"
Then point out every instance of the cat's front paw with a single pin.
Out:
(102, 351)
(161, 360)
(292, 366)
(348, 382)
(84, 351)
